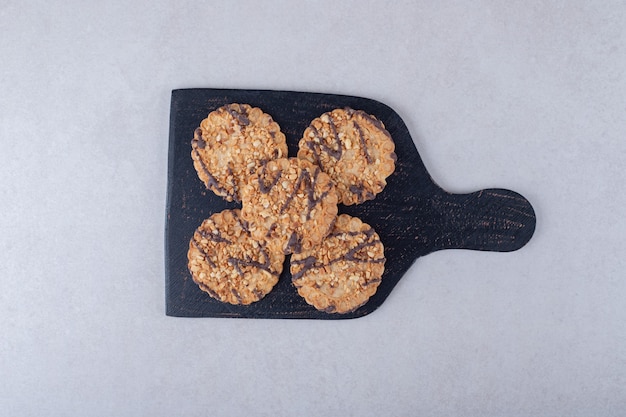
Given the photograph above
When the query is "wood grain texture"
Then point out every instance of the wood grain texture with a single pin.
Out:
(413, 216)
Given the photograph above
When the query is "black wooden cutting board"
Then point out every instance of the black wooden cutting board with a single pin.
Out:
(413, 216)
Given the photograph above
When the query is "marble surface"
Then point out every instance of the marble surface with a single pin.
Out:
(526, 95)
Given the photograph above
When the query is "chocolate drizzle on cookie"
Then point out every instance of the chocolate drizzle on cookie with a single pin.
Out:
(318, 143)
(361, 193)
(215, 237)
(368, 158)
(294, 245)
(240, 115)
(309, 188)
(264, 261)
(271, 230)
(238, 263)
(312, 201)
(310, 262)
(264, 187)
(211, 182)
(198, 140)
(204, 254)
(304, 182)
(209, 291)
(334, 153)
(374, 121)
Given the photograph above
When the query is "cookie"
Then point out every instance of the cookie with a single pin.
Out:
(228, 264)
(231, 143)
(342, 273)
(354, 148)
(291, 202)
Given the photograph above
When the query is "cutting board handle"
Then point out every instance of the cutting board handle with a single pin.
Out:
(489, 220)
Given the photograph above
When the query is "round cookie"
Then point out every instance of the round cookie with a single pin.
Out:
(231, 143)
(291, 202)
(342, 273)
(354, 148)
(228, 264)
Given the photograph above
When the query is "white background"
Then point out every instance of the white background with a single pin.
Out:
(525, 95)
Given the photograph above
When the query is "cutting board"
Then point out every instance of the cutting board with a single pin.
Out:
(413, 215)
